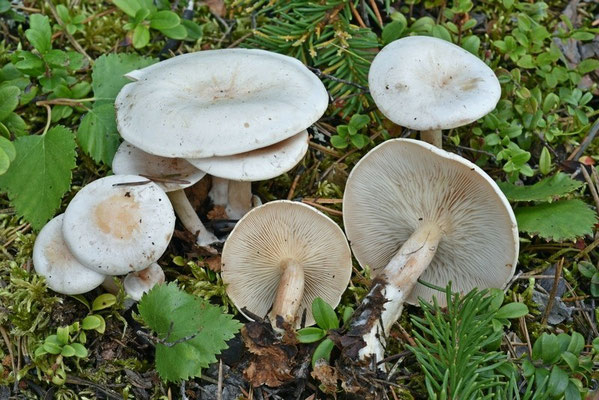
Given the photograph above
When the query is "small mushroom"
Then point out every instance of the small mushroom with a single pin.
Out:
(281, 256)
(410, 211)
(241, 169)
(119, 224)
(429, 84)
(140, 282)
(218, 103)
(172, 175)
(53, 260)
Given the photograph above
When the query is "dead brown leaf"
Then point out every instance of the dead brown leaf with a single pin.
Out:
(216, 7)
(213, 263)
(218, 212)
(326, 375)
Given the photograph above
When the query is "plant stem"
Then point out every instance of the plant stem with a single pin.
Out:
(289, 293)
(433, 137)
(190, 220)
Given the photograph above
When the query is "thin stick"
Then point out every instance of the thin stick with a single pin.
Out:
(586, 142)
(357, 15)
(49, 110)
(219, 390)
(70, 37)
(294, 185)
(321, 74)
(324, 149)
(558, 274)
(592, 187)
(376, 12)
(323, 208)
(238, 41)
(587, 250)
(10, 352)
(323, 201)
(524, 328)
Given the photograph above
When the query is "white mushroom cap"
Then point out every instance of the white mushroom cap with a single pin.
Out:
(218, 103)
(402, 184)
(273, 233)
(256, 165)
(138, 283)
(129, 160)
(116, 225)
(53, 260)
(425, 83)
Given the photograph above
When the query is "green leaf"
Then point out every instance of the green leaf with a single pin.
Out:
(141, 36)
(572, 392)
(167, 309)
(324, 315)
(44, 163)
(103, 301)
(8, 148)
(4, 6)
(39, 33)
(129, 7)
(164, 20)
(393, 31)
(576, 343)
(80, 350)
(52, 348)
(108, 74)
(558, 381)
(442, 33)
(91, 322)
(558, 221)
(570, 359)
(194, 30)
(472, 44)
(4, 161)
(359, 121)
(512, 310)
(62, 335)
(97, 134)
(68, 351)
(359, 140)
(586, 269)
(310, 334)
(323, 350)
(9, 100)
(339, 142)
(588, 65)
(545, 161)
(178, 32)
(546, 189)
(29, 63)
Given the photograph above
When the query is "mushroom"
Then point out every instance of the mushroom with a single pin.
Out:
(53, 260)
(218, 103)
(118, 224)
(140, 282)
(429, 84)
(281, 256)
(260, 164)
(172, 175)
(412, 210)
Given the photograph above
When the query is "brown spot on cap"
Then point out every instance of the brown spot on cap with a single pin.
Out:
(118, 216)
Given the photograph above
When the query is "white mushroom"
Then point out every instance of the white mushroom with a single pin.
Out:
(218, 103)
(172, 175)
(118, 224)
(429, 84)
(282, 255)
(255, 165)
(140, 282)
(53, 260)
(412, 210)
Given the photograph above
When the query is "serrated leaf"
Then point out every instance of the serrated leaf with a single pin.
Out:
(547, 189)
(9, 100)
(97, 134)
(189, 315)
(324, 315)
(108, 74)
(39, 33)
(558, 221)
(44, 163)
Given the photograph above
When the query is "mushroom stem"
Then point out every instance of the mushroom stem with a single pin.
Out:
(372, 321)
(289, 293)
(219, 192)
(434, 137)
(240, 199)
(190, 220)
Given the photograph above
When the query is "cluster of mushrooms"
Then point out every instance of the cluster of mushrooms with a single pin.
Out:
(410, 209)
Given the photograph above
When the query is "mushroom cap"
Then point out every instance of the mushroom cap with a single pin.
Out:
(129, 160)
(260, 164)
(425, 83)
(218, 103)
(278, 231)
(116, 226)
(53, 260)
(404, 183)
(140, 282)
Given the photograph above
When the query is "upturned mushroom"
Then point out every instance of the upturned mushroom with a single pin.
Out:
(53, 260)
(413, 211)
(140, 282)
(172, 175)
(280, 257)
(241, 169)
(429, 84)
(118, 224)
